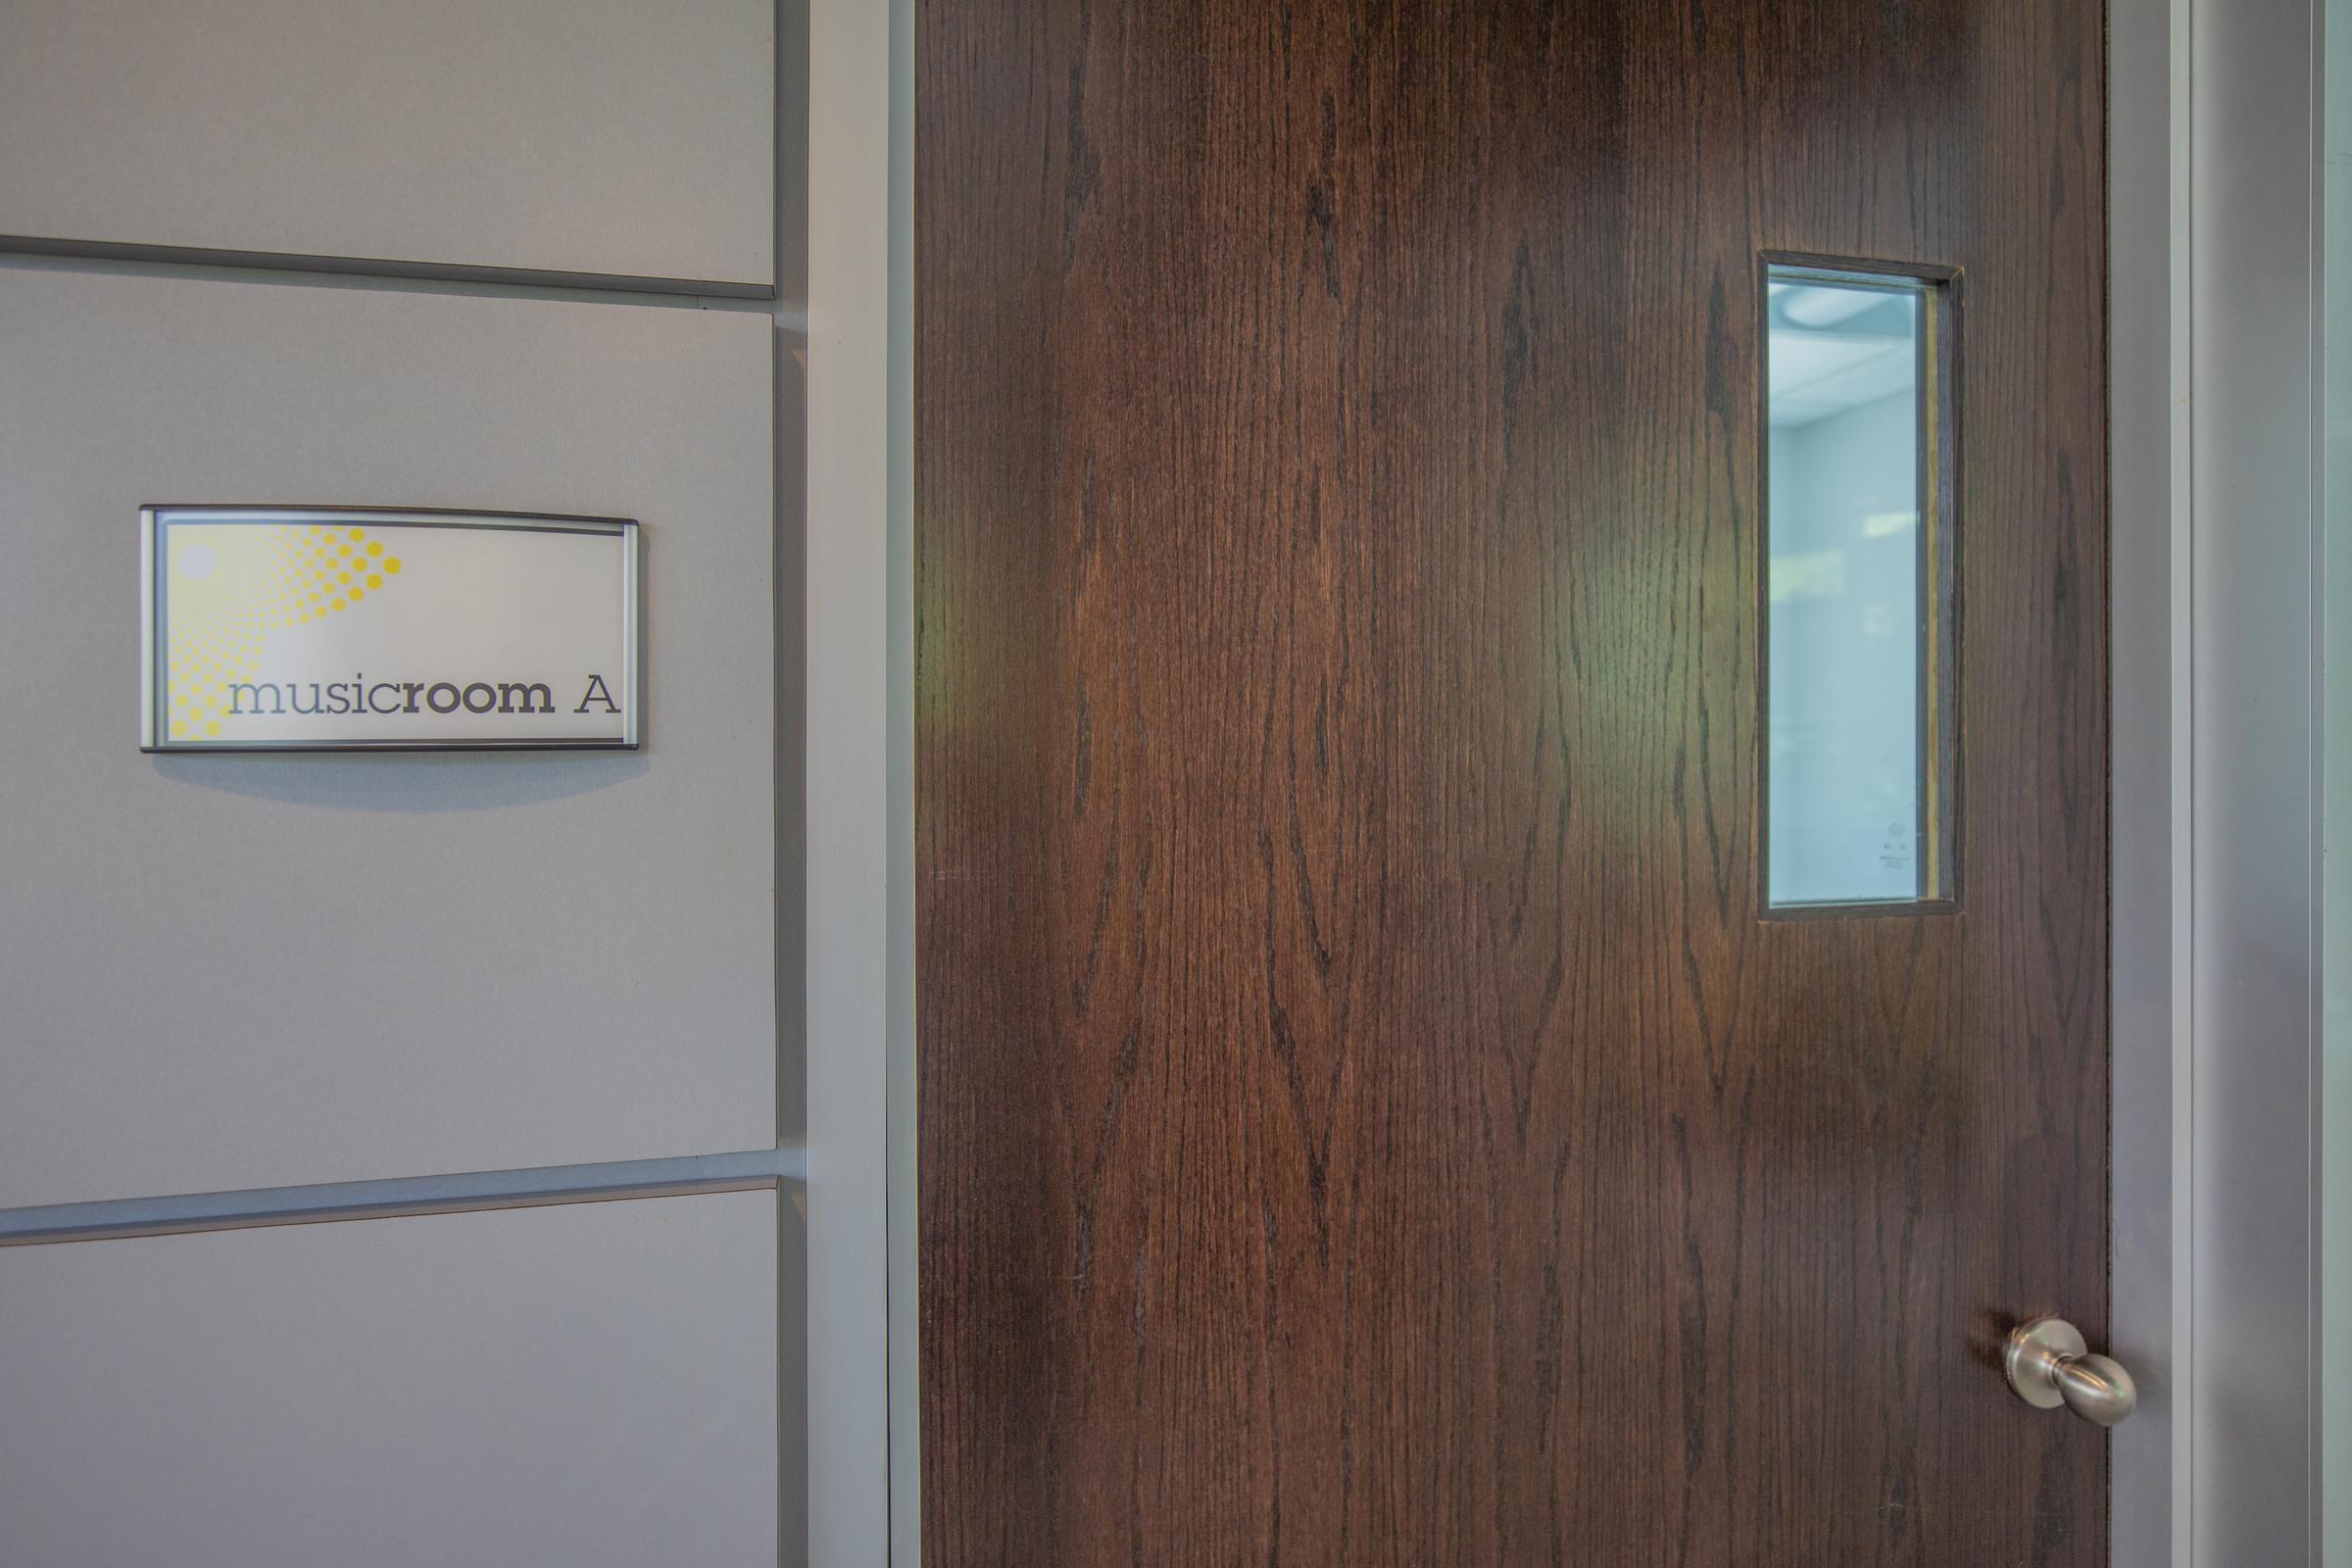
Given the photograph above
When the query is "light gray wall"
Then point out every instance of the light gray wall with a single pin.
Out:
(587, 1385)
(583, 136)
(256, 971)
(501, 254)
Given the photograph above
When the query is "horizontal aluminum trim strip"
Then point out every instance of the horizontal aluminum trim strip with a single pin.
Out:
(114, 1218)
(359, 271)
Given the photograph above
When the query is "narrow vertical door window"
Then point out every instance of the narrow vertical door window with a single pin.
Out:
(1858, 606)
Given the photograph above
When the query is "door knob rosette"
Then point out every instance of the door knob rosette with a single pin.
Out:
(2049, 1365)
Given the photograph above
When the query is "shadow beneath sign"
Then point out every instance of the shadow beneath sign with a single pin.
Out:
(479, 781)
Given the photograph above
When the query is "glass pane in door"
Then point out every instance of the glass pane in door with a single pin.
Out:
(1856, 597)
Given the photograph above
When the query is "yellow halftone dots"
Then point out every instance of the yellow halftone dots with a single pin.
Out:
(232, 585)
(391, 565)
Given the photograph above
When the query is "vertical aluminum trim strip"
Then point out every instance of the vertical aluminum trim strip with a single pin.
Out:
(150, 684)
(632, 632)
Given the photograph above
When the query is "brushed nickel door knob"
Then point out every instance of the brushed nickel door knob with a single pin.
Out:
(2049, 1365)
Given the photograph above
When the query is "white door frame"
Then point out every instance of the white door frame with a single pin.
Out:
(2149, 769)
(2150, 779)
(2217, 581)
(861, 784)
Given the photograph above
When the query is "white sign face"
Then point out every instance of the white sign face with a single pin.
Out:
(283, 628)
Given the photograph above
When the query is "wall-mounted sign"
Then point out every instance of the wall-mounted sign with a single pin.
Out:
(296, 628)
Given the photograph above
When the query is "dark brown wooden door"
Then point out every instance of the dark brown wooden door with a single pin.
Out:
(1364, 1115)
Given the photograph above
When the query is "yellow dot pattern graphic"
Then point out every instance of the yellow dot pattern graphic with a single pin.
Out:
(232, 585)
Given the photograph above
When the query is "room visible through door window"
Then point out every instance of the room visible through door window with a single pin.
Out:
(1858, 606)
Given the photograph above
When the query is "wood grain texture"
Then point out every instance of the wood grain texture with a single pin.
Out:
(1363, 1118)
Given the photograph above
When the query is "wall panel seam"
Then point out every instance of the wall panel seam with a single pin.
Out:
(401, 1196)
(382, 274)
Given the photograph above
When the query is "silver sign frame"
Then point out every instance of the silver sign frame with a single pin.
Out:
(154, 590)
